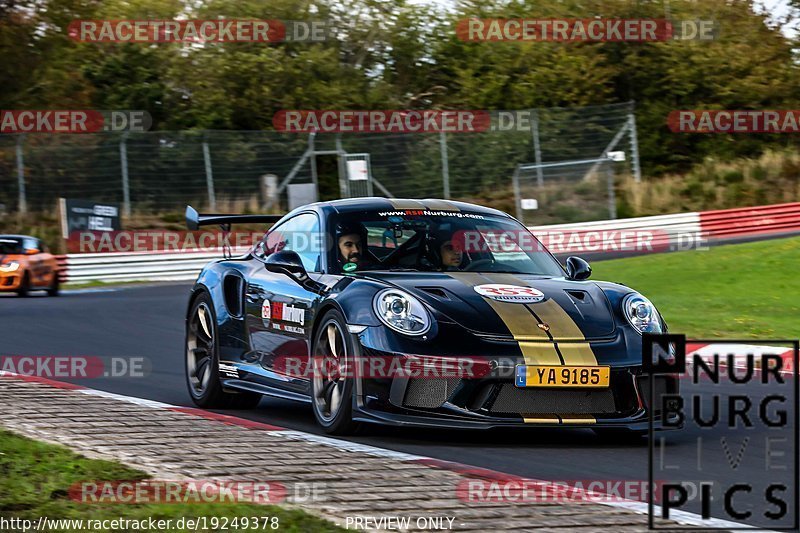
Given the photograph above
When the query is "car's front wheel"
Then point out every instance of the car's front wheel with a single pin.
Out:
(25, 286)
(202, 362)
(332, 382)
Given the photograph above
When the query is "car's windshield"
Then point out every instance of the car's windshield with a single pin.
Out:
(438, 241)
(10, 245)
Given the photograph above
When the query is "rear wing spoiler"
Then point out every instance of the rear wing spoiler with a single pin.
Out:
(194, 219)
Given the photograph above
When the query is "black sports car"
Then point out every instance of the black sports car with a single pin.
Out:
(416, 312)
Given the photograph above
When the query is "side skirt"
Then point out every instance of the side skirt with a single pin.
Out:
(248, 386)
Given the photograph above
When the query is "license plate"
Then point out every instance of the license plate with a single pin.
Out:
(562, 376)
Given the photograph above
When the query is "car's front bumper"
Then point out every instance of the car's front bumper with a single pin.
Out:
(10, 281)
(491, 400)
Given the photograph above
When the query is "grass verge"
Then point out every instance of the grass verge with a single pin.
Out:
(35, 478)
(747, 290)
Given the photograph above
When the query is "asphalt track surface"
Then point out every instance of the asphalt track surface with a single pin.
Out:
(147, 321)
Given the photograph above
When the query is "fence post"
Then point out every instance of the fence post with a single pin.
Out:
(612, 199)
(212, 198)
(313, 163)
(126, 192)
(517, 194)
(637, 170)
(344, 182)
(23, 200)
(537, 148)
(445, 165)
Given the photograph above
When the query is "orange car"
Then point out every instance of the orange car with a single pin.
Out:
(26, 265)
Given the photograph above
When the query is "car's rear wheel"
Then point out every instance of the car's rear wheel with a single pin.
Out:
(54, 287)
(202, 362)
(332, 382)
(25, 286)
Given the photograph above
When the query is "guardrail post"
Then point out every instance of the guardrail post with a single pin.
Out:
(123, 161)
(23, 200)
(212, 198)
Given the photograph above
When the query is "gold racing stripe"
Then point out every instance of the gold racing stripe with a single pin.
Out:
(535, 344)
(406, 204)
(572, 343)
(540, 419)
(440, 205)
(577, 419)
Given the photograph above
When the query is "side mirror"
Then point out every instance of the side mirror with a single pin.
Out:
(289, 263)
(285, 262)
(32, 251)
(578, 269)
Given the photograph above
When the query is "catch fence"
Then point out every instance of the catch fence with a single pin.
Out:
(543, 160)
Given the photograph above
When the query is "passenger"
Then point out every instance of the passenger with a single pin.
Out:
(446, 252)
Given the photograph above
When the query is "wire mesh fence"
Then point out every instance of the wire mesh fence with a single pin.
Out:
(162, 171)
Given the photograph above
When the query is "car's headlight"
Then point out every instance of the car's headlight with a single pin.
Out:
(401, 312)
(11, 266)
(641, 313)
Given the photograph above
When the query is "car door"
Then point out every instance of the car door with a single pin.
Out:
(48, 264)
(279, 311)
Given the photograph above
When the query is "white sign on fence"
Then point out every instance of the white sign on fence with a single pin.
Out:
(529, 203)
(357, 169)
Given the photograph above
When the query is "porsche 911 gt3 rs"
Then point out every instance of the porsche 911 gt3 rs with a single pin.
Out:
(416, 313)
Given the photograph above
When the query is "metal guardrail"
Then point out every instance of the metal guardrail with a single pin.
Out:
(743, 222)
(185, 266)
(139, 266)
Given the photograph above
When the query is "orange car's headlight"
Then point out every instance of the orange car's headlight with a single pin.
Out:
(11, 266)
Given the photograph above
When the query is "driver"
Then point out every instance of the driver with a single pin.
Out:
(352, 242)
